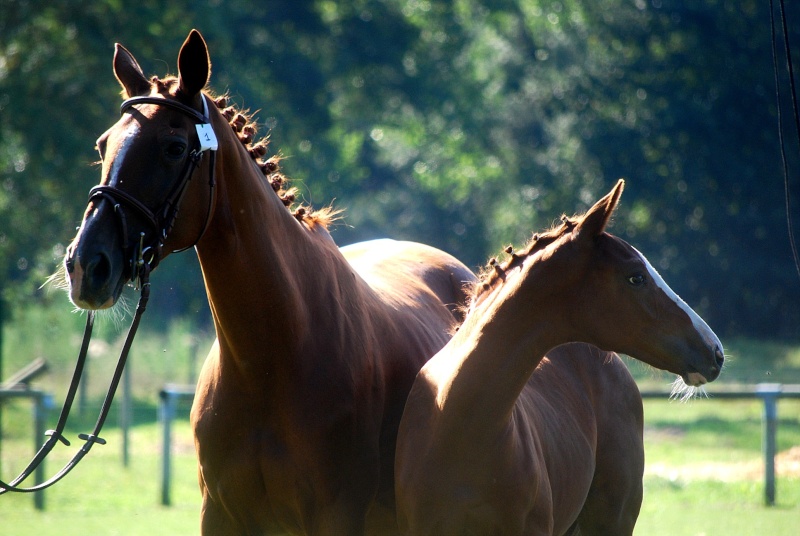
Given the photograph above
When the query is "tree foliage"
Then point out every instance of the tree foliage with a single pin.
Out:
(464, 124)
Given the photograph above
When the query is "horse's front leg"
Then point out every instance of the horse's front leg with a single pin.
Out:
(215, 522)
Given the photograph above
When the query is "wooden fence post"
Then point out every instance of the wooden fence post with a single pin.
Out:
(167, 412)
(769, 393)
(169, 397)
(42, 404)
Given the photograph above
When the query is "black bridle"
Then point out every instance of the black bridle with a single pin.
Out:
(143, 258)
(163, 218)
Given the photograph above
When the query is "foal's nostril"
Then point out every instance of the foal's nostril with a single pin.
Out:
(719, 357)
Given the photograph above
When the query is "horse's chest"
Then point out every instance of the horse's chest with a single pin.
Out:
(234, 448)
(277, 471)
(247, 471)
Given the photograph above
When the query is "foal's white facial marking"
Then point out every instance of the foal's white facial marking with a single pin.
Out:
(700, 325)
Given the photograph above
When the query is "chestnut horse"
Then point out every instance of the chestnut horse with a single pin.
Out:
(298, 403)
(497, 439)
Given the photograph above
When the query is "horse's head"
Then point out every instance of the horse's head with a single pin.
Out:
(153, 164)
(624, 305)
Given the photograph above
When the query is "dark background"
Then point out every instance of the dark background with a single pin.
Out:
(467, 125)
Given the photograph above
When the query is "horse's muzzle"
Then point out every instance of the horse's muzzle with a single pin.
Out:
(695, 377)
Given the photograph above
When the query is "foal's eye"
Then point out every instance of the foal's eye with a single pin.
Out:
(175, 150)
(637, 280)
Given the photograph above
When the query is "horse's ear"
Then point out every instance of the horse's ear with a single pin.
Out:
(595, 220)
(129, 74)
(194, 65)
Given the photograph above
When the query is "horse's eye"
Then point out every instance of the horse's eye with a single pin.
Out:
(637, 280)
(175, 150)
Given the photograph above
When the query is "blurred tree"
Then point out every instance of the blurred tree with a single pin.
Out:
(464, 124)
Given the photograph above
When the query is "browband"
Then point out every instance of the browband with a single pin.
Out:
(160, 101)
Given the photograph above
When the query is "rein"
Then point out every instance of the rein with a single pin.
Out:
(161, 221)
(57, 434)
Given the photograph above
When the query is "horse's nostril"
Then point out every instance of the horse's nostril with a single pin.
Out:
(98, 270)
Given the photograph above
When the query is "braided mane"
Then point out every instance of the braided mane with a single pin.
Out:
(242, 123)
(494, 273)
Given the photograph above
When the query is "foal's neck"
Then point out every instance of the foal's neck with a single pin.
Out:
(482, 371)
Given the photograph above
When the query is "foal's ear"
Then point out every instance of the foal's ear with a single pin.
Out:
(129, 74)
(194, 65)
(595, 221)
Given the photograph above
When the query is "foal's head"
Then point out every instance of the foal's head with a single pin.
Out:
(609, 295)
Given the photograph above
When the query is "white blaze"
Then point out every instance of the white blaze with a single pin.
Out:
(119, 158)
(700, 325)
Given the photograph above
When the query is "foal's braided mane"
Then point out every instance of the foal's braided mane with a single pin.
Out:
(494, 274)
(242, 123)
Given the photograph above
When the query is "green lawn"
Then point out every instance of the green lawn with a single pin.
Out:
(704, 473)
(100, 496)
(716, 508)
(703, 476)
(704, 470)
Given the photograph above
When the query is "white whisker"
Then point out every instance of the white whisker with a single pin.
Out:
(683, 392)
(118, 314)
(57, 280)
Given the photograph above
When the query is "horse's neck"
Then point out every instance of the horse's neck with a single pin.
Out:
(260, 264)
(482, 371)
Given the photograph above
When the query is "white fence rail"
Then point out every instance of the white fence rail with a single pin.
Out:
(768, 393)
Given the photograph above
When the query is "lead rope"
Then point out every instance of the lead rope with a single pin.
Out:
(793, 94)
(57, 435)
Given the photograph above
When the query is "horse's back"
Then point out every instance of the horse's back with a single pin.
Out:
(410, 275)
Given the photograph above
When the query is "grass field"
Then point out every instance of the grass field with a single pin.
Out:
(703, 476)
(704, 473)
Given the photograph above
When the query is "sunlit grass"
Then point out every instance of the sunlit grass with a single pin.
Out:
(704, 472)
(103, 497)
(703, 476)
(674, 507)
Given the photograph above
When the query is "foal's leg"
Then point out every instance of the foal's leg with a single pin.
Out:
(615, 496)
(610, 509)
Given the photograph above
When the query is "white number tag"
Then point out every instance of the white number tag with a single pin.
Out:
(208, 140)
